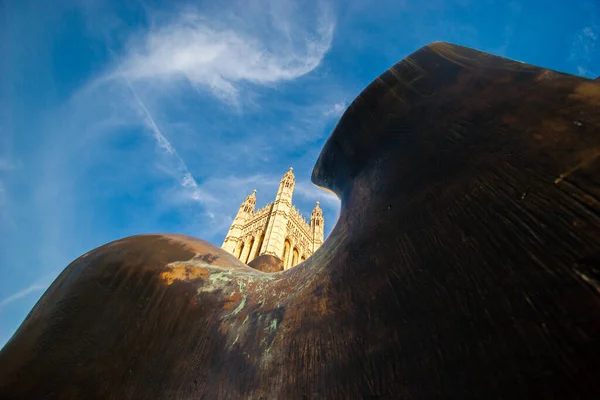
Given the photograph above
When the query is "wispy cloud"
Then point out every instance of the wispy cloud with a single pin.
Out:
(6, 164)
(161, 140)
(311, 124)
(252, 180)
(187, 183)
(513, 11)
(584, 49)
(335, 110)
(314, 193)
(584, 43)
(3, 197)
(584, 71)
(22, 293)
(222, 57)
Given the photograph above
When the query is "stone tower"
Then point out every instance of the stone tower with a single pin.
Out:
(277, 226)
(316, 227)
(278, 229)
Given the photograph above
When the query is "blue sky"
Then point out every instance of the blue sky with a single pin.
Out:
(128, 117)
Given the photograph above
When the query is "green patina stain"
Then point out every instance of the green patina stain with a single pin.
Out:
(242, 279)
(240, 306)
(259, 279)
(219, 277)
(274, 324)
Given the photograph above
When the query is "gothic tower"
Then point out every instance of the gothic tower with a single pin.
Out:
(316, 227)
(278, 229)
(277, 226)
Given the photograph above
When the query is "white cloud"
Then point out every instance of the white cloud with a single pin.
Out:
(584, 43)
(261, 180)
(221, 54)
(583, 71)
(5, 218)
(221, 57)
(193, 192)
(583, 49)
(589, 32)
(22, 293)
(314, 193)
(7, 165)
(335, 110)
(189, 189)
(3, 196)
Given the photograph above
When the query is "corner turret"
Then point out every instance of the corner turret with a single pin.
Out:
(245, 212)
(286, 187)
(317, 228)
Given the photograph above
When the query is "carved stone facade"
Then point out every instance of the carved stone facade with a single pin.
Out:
(277, 229)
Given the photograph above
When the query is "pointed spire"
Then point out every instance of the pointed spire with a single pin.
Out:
(289, 174)
(249, 204)
(286, 185)
(251, 197)
(317, 212)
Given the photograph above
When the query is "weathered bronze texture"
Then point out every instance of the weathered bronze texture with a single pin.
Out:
(267, 263)
(464, 264)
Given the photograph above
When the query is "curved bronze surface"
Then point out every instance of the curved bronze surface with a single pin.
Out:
(267, 263)
(464, 264)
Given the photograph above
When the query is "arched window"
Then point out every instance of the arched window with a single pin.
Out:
(286, 252)
(239, 250)
(295, 257)
(261, 238)
(248, 257)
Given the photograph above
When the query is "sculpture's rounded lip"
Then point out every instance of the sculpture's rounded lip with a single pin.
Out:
(349, 148)
(336, 165)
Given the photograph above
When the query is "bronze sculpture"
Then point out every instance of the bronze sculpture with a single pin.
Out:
(464, 263)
